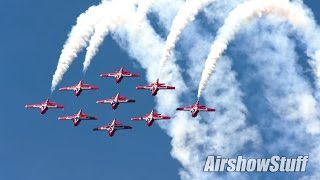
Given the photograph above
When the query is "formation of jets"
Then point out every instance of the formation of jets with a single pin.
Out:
(113, 126)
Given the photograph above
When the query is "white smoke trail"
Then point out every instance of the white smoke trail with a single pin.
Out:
(81, 33)
(101, 31)
(185, 15)
(293, 12)
(288, 93)
(77, 40)
(141, 14)
(109, 21)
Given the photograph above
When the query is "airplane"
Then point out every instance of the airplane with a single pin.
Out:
(44, 106)
(77, 118)
(120, 74)
(195, 109)
(114, 101)
(150, 118)
(77, 88)
(155, 87)
(112, 127)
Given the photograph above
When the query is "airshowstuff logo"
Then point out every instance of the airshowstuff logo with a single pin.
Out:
(240, 164)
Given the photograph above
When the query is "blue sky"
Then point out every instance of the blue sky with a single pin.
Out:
(41, 147)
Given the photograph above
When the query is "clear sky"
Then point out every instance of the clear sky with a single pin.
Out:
(41, 147)
(37, 147)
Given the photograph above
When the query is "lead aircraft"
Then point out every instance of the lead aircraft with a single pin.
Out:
(77, 88)
(120, 74)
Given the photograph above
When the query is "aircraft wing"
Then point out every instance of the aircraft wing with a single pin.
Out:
(160, 117)
(67, 117)
(203, 108)
(108, 75)
(87, 117)
(68, 88)
(165, 87)
(54, 105)
(144, 87)
(129, 74)
(102, 128)
(33, 105)
(137, 118)
(122, 127)
(88, 87)
(188, 108)
(104, 101)
(122, 99)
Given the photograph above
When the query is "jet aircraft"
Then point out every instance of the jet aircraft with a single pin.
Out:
(44, 106)
(195, 109)
(114, 101)
(77, 118)
(77, 88)
(120, 74)
(151, 117)
(112, 127)
(155, 87)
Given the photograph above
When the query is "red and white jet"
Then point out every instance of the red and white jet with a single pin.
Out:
(195, 109)
(77, 88)
(112, 127)
(114, 101)
(150, 118)
(118, 75)
(155, 87)
(77, 118)
(44, 106)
